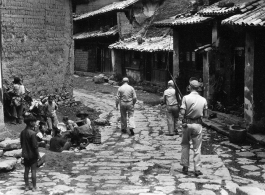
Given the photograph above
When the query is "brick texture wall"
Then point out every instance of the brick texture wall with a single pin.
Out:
(37, 44)
(81, 60)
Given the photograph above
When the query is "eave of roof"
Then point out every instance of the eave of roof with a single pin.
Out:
(86, 35)
(252, 14)
(153, 44)
(116, 6)
(183, 20)
(216, 10)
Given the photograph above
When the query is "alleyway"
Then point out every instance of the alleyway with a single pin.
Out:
(147, 163)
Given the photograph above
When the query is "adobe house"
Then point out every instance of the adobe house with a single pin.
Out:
(95, 30)
(147, 59)
(37, 45)
(249, 22)
(221, 52)
(189, 33)
(147, 54)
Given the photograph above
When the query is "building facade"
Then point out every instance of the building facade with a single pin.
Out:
(228, 56)
(95, 30)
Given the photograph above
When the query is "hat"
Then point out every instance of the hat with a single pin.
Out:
(81, 113)
(171, 83)
(17, 80)
(193, 78)
(125, 79)
(194, 84)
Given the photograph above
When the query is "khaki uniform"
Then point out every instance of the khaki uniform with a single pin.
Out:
(170, 99)
(193, 104)
(126, 97)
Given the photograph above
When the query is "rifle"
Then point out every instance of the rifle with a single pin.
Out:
(178, 93)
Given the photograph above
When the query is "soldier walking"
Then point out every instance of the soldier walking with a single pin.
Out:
(193, 108)
(170, 99)
(126, 97)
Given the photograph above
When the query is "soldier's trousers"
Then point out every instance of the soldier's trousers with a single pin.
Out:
(192, 132)
(127, 108)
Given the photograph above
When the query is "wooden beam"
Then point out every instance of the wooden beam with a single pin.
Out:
(249, 73)
(175, 53)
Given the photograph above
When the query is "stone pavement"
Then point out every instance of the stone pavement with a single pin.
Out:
(144, 164)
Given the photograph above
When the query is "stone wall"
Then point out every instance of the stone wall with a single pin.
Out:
(37, 44)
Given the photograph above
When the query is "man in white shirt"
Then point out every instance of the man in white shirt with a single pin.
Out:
(193, 108)
(171, 101)
(126, 97)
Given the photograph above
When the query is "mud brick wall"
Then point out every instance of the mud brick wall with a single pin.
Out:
(37, 44)
(81, 60)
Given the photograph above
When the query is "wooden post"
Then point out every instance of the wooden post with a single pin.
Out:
(249, 74)
(175, 53)
(116, 61)
(206, 75)
(2, 124)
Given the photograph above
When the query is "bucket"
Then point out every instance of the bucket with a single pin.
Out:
(237, 134)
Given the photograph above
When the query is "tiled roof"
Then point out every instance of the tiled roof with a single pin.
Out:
(217, 10)
(252, 14)
(183, 20)
(149, 45)
(112, 7)
(85, 35)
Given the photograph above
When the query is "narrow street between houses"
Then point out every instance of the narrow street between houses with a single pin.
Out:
(147, 163)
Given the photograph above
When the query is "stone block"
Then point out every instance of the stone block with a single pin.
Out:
(246, 190)
(1, 153)
(14, 153)
(101, 121)
(10, 144)
(99, 79)
(8, 164)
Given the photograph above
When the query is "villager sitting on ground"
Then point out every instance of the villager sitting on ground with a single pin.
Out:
(58, 143)
(193, 108)
(84, 128)
(42, 136)
(50, 113)
(30, 152)
(171, 101)
(17, 92)
(83, 118)
(126, 97)
(70, 125)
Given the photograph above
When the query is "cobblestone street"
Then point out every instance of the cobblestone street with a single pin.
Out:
(147, 163)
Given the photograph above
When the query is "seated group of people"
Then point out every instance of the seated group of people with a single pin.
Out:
(56, 140)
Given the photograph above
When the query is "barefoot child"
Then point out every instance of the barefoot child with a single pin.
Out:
(30, 151)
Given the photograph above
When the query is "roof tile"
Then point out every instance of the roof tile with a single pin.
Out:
(149, 45)
(252, 14)
(86, 35)
(183, 20)
(112, 7)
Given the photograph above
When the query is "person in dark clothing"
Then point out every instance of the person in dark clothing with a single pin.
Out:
(30, 152)
(57, 143)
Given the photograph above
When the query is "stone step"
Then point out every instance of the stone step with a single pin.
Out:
(10, 144)
(7, 164)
